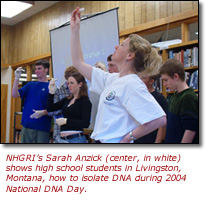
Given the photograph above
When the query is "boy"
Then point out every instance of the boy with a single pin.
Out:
(182, 122)
(35, 122)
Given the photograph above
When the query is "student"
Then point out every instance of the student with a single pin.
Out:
(76, 109)
(35, 122)
(158, 135)
(182, 122)
(112, 67)
(126, 109)
(61, 92)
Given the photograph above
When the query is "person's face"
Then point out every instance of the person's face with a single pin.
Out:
(121, 52)
(112, 67)
(73, 85)
(40, 71)
(169, 82)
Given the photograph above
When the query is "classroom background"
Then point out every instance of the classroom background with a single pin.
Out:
(26, 41)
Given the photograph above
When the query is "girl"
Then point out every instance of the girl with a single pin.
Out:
(76, 109)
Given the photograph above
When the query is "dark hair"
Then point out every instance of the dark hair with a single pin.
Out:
(172, 66)
(69, 71)
(109, 58)
(80, 79)
(44, 63)
(154, 77)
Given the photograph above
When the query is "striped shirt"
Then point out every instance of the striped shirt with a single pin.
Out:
(60, 93)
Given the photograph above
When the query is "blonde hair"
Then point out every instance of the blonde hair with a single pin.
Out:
(147, 61)
(101, 65)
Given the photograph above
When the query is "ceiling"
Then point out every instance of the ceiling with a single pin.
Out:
(37, 7)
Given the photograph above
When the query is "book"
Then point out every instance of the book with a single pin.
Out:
(193, 80)
(188, 57)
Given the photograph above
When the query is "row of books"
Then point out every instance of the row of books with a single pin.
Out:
(192, 79)
(189, 57)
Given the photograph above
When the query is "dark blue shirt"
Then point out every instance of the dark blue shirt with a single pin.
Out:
(35, 95)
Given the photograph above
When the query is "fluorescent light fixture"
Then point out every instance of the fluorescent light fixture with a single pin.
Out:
(11, 8)
(166, 44)
(196, 33)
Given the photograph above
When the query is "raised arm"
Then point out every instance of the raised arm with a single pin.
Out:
(76, 52)
(15, 88)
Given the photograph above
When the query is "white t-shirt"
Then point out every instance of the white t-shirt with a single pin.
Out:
(124, 104)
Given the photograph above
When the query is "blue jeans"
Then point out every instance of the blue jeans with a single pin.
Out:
(78, 139)
(34, 136)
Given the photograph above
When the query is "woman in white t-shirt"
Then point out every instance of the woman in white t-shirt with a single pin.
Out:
(126, 109)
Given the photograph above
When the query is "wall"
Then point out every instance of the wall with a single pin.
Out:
(30, 38)
(6, 50)
(6, 94)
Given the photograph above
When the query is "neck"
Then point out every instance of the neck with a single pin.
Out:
(43, 79)
(75, 96)
(182, 87)
(126, 69)
(151, 89)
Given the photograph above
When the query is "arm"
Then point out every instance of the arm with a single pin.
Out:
(15, 92)
(72, 123)
(145, 129)
(38, 113)
(58, 96)
(188, 136)
(160, 135)
(17, 73)
(76, 52)
(51, 106)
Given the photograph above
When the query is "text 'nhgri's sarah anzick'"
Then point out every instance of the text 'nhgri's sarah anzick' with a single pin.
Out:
(74, 172)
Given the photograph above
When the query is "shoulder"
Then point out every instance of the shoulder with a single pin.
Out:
(187, 100)
(28, 85)
(131, 81)
(189, 96)
(84, 99)
(158, 96)
(102, 75)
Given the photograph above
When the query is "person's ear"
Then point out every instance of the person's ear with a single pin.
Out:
(130, 56)
(176, 76)
(80, 84)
